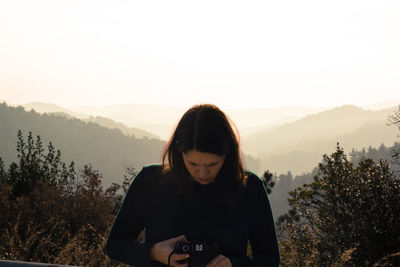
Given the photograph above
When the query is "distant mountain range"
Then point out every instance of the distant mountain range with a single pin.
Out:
(289, 144)
(107, 150)
(84, 141)
(103, 121)
(292, 144)
(298, 146)
(160, 120)
(278, 139)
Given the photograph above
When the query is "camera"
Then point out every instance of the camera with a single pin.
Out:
(201, 252)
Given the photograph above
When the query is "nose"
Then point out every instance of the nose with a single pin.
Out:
(203, 172)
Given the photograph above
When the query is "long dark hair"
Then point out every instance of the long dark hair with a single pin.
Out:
(206, 128)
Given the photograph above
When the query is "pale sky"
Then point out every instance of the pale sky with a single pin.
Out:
(231, 53)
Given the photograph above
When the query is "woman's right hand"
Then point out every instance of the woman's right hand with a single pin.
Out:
(160, 252)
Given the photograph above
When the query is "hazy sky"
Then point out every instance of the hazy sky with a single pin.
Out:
(232, 53)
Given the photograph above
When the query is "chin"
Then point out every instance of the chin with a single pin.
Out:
(205, 181)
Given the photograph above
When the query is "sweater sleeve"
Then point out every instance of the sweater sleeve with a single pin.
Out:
(122, 244)
(262, 235)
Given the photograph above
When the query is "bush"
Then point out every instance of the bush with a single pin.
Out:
(348, 214)
(50, 212)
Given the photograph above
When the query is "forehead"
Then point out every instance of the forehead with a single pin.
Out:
(202, 157)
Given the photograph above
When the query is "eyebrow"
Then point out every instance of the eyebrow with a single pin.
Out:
(214, 163)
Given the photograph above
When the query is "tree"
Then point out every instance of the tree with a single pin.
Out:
(50, 212)
(394, 119)
(3, 174)
(34, 166)
(268, 181)
(346, 211)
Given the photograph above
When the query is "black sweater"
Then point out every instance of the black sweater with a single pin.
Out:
(149, 204)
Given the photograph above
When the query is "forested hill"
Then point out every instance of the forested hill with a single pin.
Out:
(298, 146)
(103, 121)
(324, 126)
(107, 150)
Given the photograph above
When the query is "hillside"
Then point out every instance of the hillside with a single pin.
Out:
(298, 146)
(108, 123)
(156, 119)
(161, 119)
(84, 142)
(41, 107)
(105, 122)
(108, 150)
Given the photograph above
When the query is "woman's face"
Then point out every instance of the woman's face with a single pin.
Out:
(203, 167)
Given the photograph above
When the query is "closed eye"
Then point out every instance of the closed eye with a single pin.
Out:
(209, 165)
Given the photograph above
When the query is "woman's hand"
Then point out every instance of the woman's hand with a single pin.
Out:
(160, 252)
(220, 261)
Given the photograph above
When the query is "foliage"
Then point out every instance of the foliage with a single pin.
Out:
(52, 213)
(287, 182)
(34, 167)
(394, 119)
(382, 152)
(348, 214)
(268, 181)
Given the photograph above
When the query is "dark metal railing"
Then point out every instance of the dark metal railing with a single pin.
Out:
(6, 263)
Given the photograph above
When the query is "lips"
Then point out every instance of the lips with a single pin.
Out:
(204, 180)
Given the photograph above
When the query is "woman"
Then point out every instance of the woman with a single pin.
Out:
(200, 195)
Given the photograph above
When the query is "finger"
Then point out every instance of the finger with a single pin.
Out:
(179, 260)
(179, 257)
(226, 262)
(181, 238)
(220, 261)
(213, 262)
(171, 242)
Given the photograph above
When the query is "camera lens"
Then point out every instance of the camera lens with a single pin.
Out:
(186, 248)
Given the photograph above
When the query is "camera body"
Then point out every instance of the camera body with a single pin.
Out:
(201, 252)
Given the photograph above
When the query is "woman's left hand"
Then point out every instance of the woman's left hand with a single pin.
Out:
(220, 261)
